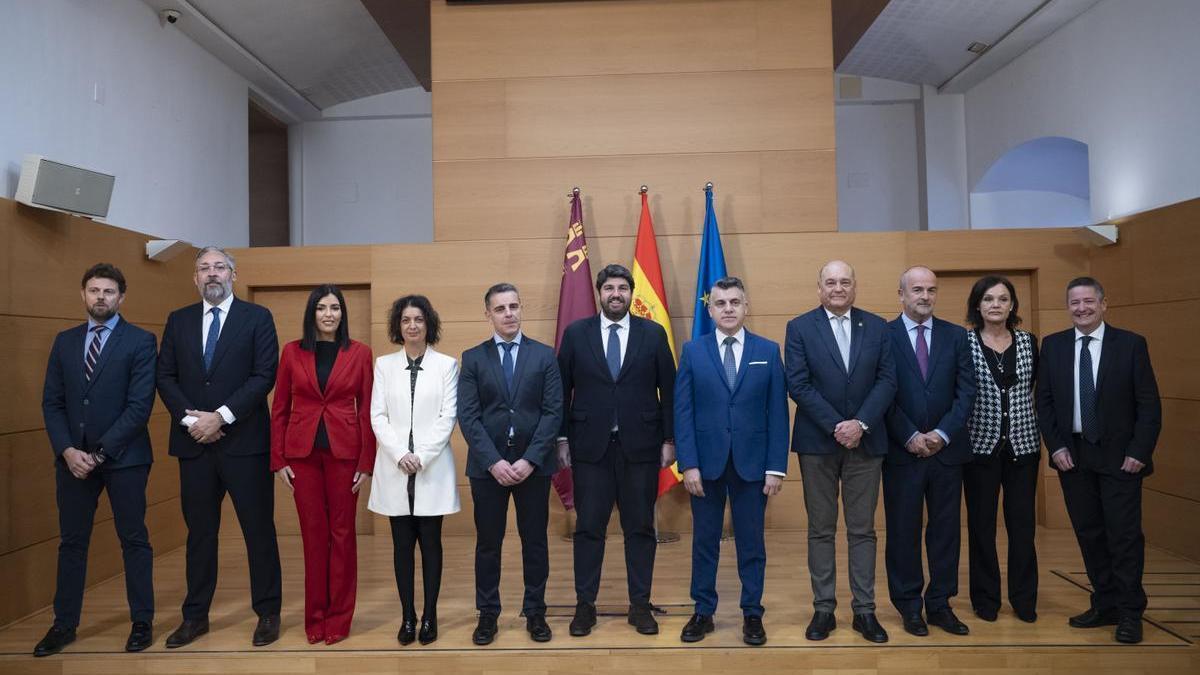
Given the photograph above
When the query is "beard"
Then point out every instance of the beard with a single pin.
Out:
(615, 314)
(215, 293)
(102, 314)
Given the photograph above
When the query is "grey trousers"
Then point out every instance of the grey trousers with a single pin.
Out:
(857, 474)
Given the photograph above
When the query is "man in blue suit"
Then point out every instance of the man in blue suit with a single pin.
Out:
(216, 367)
(731, 437)
(840, 374)
(927, 449)
(96, 402)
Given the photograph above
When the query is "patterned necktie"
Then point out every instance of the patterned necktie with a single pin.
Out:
(214, 332)
(922, 353)
(843, 340)
(1087, 393)
(613, 353)
(507, 364)
(730, 364)
(93, 352)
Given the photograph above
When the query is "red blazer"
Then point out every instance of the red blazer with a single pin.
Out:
(345, 406)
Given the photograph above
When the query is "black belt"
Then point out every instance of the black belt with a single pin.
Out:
(614, 437)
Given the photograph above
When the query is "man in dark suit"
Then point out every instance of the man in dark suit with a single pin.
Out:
(731, 433)
(927, 430)
(216, 367)
(1100, 416)
(96, 402)
(509, 411)
(618, 379)
(840, 374)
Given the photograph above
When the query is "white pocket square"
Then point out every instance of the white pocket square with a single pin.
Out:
(757, 363)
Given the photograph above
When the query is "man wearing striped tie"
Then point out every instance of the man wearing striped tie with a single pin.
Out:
(96, 401)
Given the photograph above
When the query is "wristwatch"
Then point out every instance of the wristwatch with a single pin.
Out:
(866, 429)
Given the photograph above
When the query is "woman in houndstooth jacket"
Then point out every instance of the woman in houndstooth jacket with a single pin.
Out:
(1004, 439)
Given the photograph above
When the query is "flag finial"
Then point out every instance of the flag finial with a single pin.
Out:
(708, 186)
(574, 192)
(643, 190)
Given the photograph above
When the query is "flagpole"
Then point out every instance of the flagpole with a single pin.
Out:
(708, 186)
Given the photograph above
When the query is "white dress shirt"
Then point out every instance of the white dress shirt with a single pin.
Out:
(1094, 347)
(224, 411)
(622, 333)
(739, 340)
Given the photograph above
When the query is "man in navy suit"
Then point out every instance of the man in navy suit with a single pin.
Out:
(216, 367)
(1100, 415)
(618, 377)
(96, 402)
(840, 374)
(731, 436)
(509, 411)
(928, 446)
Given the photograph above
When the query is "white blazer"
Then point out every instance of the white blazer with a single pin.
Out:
(432, 417)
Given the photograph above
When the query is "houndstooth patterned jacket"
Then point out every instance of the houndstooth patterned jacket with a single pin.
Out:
(984, 424)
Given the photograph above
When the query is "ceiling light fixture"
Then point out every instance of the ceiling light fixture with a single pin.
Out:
(977, 47)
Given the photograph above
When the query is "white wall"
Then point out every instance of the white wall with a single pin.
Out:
(945, 155)
(171, 123)
(1028, 208)
(364, 174)
(1122, 78)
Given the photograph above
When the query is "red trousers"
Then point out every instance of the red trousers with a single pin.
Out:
(326, 507)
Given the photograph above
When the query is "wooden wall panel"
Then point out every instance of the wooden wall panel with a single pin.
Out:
(1176, 470)
(1162, 247)
(1170, 330)
(1171, 522)
(493, 41)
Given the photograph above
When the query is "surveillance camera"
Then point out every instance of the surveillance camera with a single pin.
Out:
(169, 16)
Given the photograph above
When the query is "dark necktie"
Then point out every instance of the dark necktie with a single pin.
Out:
(507, 364)
(214, 332)
(730, 364)
(93, 353)
(1087, 394)
(613, 353)
(922, 352)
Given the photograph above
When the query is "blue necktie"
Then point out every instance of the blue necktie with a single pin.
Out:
(214, 332)
(613, 354)
(730, 364)
(507, 364)
(1087, 394)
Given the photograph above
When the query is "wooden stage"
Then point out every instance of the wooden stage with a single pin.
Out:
(1172, 628)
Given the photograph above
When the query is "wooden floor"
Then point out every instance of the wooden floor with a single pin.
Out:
(1172, 628)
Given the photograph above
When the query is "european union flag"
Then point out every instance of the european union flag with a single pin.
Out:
(711, 268)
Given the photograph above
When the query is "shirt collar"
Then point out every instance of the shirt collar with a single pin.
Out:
(516, 340)
(830, 315)
(1098, 333)
(909, 324)
(605, 322)
(739, 337)
(224, 306)
(111, 324)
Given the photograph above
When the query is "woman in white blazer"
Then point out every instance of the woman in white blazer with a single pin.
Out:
(413, 409)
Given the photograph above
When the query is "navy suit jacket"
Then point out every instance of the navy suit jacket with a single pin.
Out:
(943, 401)
(750, 421)
(825, 393)
(642, 396)
(242, 374)
(110, 410)
(1130, 412)
(486, 409)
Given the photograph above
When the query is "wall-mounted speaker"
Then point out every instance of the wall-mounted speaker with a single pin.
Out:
(61, 187)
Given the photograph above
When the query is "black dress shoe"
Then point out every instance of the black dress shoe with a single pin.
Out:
(428, 632)
(1027, 615)
(1129, 630)
(188, 631)
(987, 614)
(485, 630)
(267, 630)
(915, 625)
(539, 630)
(641, 618)
(821, 625)
(408, 630)
(753, 632)
(56, 638)
(696, 628)
(1093, 618)
(867, 625)
(584, 620)
(947, 621)
(141, 635)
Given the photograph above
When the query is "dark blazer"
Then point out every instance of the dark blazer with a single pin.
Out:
(242, 374)
(642, 395)
(943, 401)
(1130, 412)
(486, 410)
(825, 394)
(112, 409)
(345, 405)
(750, 421)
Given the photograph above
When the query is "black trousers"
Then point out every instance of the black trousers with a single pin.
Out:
(1106, 513)
(633, 486)
(203, 482)
(983, 479)
(532, 500)
(407, 532)
(909, 491)
(76, 512)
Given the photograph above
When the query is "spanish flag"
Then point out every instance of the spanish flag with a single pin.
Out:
(650, 302)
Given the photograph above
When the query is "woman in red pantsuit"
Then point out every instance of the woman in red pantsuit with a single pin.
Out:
(323, 449)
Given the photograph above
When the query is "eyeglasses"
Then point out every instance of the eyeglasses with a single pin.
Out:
(219, 268)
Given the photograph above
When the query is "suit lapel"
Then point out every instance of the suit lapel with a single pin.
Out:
(523, 353)
(714, 355)
(109, 346)
(593, 339)
(936, 347)
(230, 332)
(1108, 347)
(308, 363)
(76, 348)
(900, 338)
(856, 338)
(741, 371)
(637, 333)
(825, 328)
